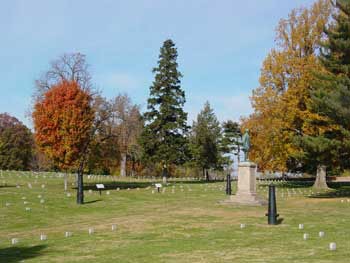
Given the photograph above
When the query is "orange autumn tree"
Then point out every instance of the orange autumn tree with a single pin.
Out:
(280, 102)
(63, 121)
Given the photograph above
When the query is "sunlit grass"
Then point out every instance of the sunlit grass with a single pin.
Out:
(186, 223)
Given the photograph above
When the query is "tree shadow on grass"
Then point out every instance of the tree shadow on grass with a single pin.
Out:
(18, 254)
(292, 184)
(337, 190)
(212, 181)
(115, 185)
(7, 186)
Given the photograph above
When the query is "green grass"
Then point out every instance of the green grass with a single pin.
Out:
(189, 225)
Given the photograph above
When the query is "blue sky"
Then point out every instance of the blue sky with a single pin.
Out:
(221, 46)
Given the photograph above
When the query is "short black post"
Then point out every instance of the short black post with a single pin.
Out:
(272, 212)
(100, 191)
(158, 189)
(228, 185)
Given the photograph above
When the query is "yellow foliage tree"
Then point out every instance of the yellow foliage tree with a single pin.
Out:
(280, 102)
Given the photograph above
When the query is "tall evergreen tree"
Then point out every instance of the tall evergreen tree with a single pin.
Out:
(231, 140)
(164, 135)
(330, 143)
(205, 140)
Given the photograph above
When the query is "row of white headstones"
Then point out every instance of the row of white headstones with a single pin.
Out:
(43, 237)
(91, 231)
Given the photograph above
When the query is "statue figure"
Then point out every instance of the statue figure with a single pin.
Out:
(246, 144)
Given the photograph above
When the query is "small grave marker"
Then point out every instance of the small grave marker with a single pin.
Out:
(321, 234)
(332, 246)
(301, 226)
(14, 241)
(114, 227)
(242, 226)
(306, 236)
(68, 234)
(43, 237)
(91, 231)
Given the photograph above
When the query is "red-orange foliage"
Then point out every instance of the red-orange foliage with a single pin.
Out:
(63, 121)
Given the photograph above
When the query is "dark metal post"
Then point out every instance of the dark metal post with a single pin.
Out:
(80, 190)
(272, 212)
(228, 185)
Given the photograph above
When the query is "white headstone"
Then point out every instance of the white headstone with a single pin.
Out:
(321, 234)
(68, 234)
(301, 226)
(114, 227)
(91, 231)
(43, 237)
(14, 241)
(306, 236)
(332, 246)
(242, 226)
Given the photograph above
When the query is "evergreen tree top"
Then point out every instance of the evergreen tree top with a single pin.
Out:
(164, 136)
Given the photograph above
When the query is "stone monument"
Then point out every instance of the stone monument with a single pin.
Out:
(246, 184)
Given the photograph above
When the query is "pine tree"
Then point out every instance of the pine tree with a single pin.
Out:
(231, 141)
(205, 140)
(329, 145)
(164, 135)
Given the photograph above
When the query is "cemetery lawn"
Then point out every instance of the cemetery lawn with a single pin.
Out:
(189, 225)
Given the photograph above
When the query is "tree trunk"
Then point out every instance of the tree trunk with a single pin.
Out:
(203, 170)
(123, 165)
(207, 178)
(80, 189)
(65, 182)
(238, 155)
(165, 174)
(320, 182)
